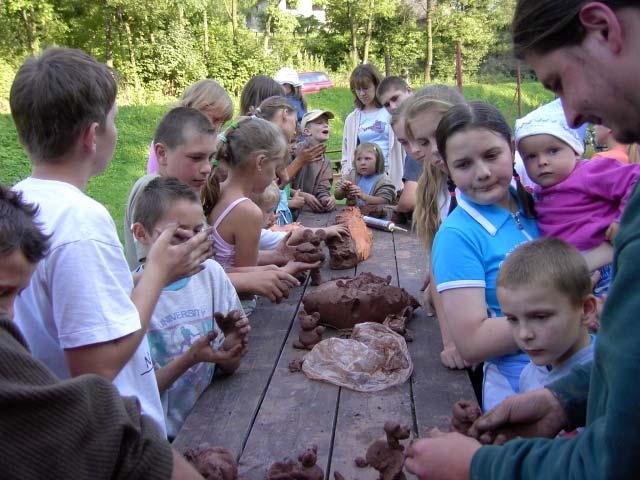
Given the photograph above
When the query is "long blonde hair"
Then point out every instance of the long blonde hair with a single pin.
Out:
(208, 93)
(433, 182)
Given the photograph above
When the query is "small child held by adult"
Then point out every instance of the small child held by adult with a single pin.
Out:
(544, 289)
(314, 179)
(579, 201)
(367, 184)
(186, 343)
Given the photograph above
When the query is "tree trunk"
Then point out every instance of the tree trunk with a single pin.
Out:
(368, 31)
(429, 53)
(352, 30)
(29, 19)
(205, 28)
(108, 38)
(132, 54)
(234, 19)
(387, 60)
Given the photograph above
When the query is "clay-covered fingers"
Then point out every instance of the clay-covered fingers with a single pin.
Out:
(463, 414)
(295, 267)
(532, 414)
(228, 322)
(337, 231)
(329, 203)
(313, 203)
(274, 284)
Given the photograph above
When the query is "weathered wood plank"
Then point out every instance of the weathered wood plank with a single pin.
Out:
(225, 412)
(435, 388)
(295, 414)
(361, 416)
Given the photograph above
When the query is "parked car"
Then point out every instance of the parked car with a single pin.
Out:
(314, 81)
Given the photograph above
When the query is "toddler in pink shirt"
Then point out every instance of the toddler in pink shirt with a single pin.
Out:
(579, 201)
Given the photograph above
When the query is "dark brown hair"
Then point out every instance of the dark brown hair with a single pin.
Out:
(256, 90)
(541, 26)
(19, 229)
(170, 130)
(481, 115)
(55, 96)
(547, 261)
(391, 83)
(362, 75)
(157, 197)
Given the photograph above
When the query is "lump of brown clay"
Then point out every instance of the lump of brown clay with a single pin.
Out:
(310, 331)
(215, 463)
(295, 365)
(376, 211)
(347, 251)
(289, 469)
(308, 467)
(398, 323)
(465, 412)
(227, 323)
(366, 298)
(310, 251)
(387, 456)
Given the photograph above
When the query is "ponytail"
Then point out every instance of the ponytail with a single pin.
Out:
(524, 197)
(210, 194)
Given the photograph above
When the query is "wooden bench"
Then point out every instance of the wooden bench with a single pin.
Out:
(263, 413)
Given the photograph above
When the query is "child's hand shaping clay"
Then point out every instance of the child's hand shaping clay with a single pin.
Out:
(202, 351)
(329, 203)
(296, 200)
(338, 232)
(236, 328)
(355, 191)
(313, 203)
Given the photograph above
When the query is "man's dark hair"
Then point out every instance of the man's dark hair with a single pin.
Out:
(158, 196)
(391, 83)
(170, 130)
(541, 26)
(55, 96)
(18, 228)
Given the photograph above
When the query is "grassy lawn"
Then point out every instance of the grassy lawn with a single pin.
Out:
(137, 123)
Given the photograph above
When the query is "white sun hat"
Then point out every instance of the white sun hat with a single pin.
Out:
(287, 75)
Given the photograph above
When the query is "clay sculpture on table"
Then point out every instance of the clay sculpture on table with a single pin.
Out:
(215, 463)
(387, 456)
(310, 331)
(347, 251)
(304, 469)
(366, 298)
(310, 251)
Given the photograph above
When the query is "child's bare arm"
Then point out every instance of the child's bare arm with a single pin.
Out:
(245, 223)
(163, 263)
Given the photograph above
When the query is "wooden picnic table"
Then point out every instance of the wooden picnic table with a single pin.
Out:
(263, 413)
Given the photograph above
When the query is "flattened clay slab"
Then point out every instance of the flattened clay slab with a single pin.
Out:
(348, 252)
(214, 463)
(366, 298)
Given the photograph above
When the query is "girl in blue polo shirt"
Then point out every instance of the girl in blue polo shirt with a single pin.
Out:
(491, 220)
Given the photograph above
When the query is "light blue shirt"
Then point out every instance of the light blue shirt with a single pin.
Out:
(374, 128)
(468, 250)
(367, 185)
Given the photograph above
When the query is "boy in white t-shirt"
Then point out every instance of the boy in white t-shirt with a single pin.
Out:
(81, 313)
(186, 344)
(545, 292)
